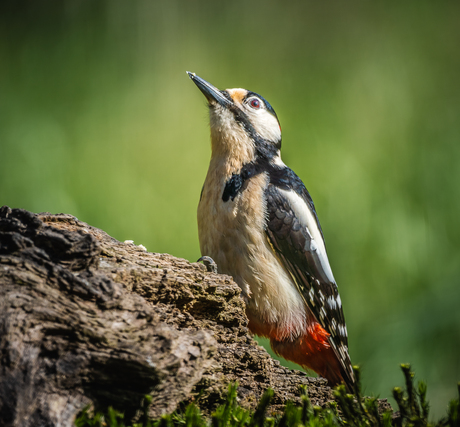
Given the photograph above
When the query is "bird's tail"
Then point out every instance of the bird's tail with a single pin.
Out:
(313, 351)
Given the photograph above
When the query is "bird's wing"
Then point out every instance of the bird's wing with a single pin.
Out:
(295, 234)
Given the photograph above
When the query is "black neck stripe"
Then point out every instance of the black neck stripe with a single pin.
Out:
(264, 148)
(237, 183)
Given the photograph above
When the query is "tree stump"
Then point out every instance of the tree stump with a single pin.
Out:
(86, 319)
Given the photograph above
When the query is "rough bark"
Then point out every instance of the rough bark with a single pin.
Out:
(86, 319)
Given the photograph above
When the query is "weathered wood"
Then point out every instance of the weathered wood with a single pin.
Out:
(87, 319)
(71, 335)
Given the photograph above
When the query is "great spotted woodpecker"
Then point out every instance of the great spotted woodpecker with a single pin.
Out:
(257, 221)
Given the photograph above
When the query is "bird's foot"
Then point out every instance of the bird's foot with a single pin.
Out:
(211, 266)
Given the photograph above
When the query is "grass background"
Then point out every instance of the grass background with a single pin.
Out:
(98, 119)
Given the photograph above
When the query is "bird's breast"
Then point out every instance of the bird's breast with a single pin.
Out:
(231, 221)
(232, 232)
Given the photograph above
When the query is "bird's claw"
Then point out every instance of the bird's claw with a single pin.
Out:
(211, 266)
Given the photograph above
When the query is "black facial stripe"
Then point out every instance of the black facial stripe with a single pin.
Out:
(240, 117)
(264, 148)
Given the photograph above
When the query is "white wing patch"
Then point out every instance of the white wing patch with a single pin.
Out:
(332, 302)
(277, 160)
(343, 330)
(307, 219)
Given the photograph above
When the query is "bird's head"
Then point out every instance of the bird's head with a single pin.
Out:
(243, 124)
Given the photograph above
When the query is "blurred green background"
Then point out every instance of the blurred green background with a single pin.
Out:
(98, 119)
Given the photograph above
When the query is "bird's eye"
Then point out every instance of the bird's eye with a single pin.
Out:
(254, 103)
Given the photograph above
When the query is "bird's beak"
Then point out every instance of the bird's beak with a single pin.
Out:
(211, 93)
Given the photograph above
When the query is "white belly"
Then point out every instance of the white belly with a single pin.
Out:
(233, 234)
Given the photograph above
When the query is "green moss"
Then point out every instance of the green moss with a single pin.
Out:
(348, 410)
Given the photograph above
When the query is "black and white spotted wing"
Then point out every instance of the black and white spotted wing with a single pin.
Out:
(294, 232)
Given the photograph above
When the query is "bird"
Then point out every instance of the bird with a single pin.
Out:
(257, 223)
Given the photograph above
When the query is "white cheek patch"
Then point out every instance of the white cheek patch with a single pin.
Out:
(265, 124)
